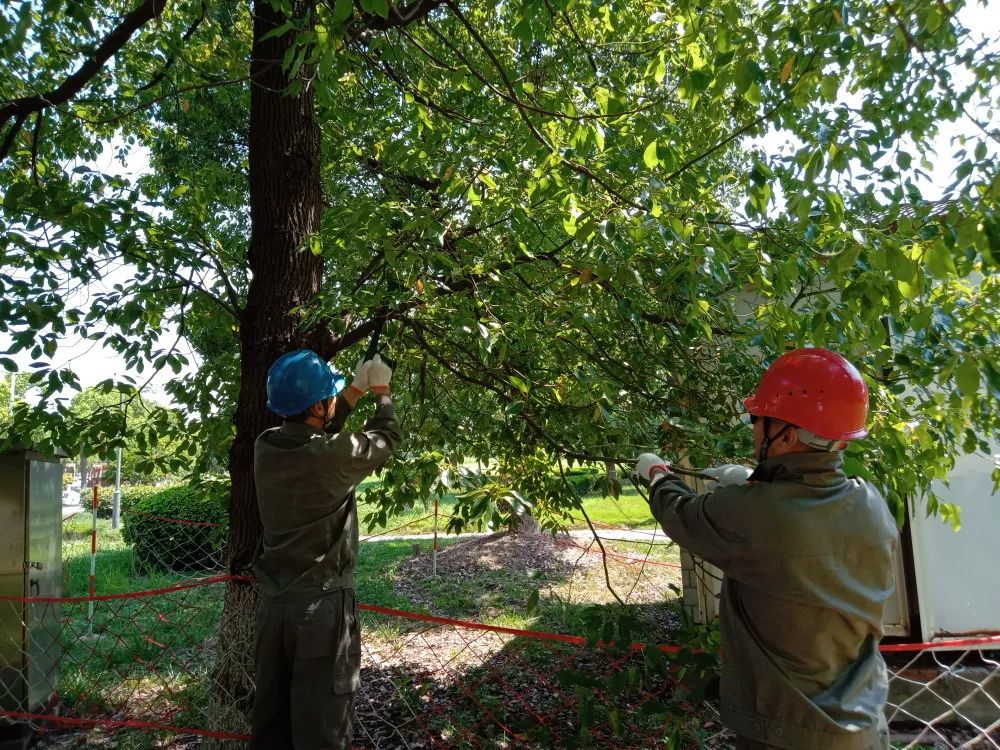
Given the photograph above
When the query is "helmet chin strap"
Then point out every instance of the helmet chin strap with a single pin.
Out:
(765, 444)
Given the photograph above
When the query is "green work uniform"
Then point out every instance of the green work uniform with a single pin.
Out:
(807, 557)
(308, 649)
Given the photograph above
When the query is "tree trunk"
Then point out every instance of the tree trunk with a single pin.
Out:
(285, 205)
(525, 523)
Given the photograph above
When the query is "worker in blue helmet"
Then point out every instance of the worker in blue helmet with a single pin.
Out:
(308, 643)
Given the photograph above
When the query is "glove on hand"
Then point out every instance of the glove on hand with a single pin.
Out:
(729, 474)
(379, 373)
(360, 382)
(649, 466)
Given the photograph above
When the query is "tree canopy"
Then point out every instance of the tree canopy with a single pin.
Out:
(558, 215)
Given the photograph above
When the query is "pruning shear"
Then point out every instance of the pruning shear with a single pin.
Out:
(373, 346)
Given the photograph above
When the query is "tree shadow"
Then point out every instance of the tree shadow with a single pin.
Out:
(527, 693)
(450, 686)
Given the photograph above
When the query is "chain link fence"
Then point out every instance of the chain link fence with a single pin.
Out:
(135, 667)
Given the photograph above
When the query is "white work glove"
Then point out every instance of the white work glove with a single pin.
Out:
(729, 474)
(649, 467)
(360, 382)
(379, 374)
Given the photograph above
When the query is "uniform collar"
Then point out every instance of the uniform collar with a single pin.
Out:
(299, 429)
(819, 469)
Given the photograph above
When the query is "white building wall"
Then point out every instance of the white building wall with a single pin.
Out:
(958, 572)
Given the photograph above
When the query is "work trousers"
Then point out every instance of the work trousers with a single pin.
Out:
(308, 663)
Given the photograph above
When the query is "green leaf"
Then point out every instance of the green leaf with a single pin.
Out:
(279, 30)
(747, 72)
(909, 289)
(661, 69)
(901, 266)
(649, 156)
(939, 261)
(180, 190)
(520, 384)
(376, 7)
(343, 10)
(532, 603)
(830, 87)
(967, 376)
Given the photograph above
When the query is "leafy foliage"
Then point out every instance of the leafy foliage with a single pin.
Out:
(557, 207)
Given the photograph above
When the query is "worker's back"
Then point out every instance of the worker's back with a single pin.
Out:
(305, 481)
(807, 556)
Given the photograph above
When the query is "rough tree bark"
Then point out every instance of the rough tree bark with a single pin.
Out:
(285, 205)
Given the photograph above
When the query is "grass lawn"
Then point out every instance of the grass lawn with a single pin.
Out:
(150, 657)
(144, 657)
(628, 511)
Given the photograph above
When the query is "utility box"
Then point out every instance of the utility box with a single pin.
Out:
(30, 567)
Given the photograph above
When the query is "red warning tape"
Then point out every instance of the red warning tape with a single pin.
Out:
(929, 645)
(129, 595)
(132, 724)
(541, 635)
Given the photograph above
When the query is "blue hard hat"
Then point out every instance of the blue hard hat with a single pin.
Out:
(298, 380)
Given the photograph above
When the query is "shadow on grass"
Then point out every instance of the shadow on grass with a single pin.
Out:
(525, 693)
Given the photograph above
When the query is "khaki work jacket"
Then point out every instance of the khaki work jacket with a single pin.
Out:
(306, 482)
(807, 557)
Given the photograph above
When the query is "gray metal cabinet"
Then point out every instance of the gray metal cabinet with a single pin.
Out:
(30, 567)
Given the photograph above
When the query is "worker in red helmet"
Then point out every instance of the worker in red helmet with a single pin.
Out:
(807, 556)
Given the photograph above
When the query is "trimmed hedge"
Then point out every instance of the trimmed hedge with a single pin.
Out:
(159, 542)
(131, 494)
(585, 480)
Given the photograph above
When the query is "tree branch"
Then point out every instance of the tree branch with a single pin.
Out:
(170, 61)
(397, 18)
(521, 110)
(426, 183)
(19, 109)
(169, 94)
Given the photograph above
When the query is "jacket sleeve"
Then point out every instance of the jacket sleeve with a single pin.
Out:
(379, 440)
(706, 525)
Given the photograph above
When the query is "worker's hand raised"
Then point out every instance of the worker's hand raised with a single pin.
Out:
(360, 382)
(650, 467)
(729, 474)
(379, 374)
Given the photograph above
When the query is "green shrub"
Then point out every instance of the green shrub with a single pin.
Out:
(160, 542)
(585, 480)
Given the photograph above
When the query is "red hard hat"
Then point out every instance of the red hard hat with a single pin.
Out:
(815, 389)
